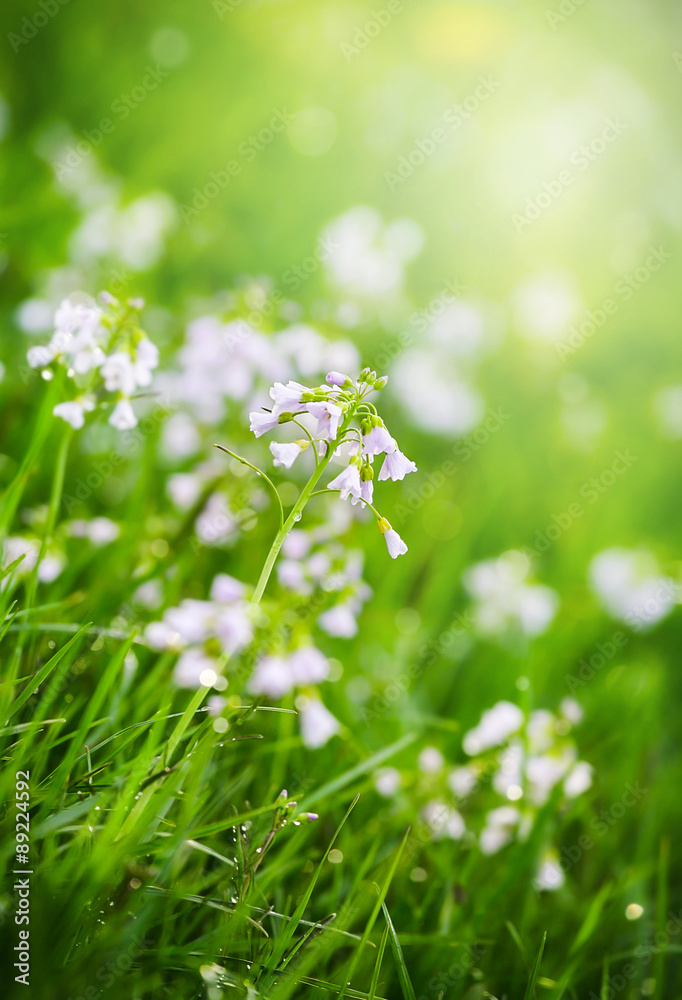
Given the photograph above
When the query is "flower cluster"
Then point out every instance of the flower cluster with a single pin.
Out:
(516, 761)
(339, 422)
(505, 601)
(208, 634)
(106, 355)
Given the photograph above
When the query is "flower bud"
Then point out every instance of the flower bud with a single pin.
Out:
(362, 377)
(382, 382)
(338, 379)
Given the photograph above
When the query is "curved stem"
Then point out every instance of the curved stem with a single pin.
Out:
(319, 493)
(297, 510)
(258, 472)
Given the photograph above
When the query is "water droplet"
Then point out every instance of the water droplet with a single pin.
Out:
(297, 517)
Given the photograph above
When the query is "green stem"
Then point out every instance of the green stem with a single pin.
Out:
(52, 510)
(292, 519)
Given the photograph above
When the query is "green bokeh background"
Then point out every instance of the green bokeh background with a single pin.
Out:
(558, 84)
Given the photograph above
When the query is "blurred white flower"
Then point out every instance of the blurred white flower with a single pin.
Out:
(495, 727)
(503, 600)
(318, 725)
(387, 781)
(668, 411)
(443, 821)
(430, 760)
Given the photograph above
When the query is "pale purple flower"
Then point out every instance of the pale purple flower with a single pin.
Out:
(328, 416)
(394, 543)
(226, 589)
(366, 491)
(287, 396)
(286, 454)
(118, 373)
(338, 379)
(40, 356)
(233, 627)
(396, 466)
(123, 416)
(308, 666)
(194, 668)
(347, 482)
(318, 725)
(339, 621)
(192, 620)
(263, 422)
(378, 442)
(73, 411)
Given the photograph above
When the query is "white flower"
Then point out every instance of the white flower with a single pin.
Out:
(184, 489)
(378, 442)
(74, 314)
(84, 352)
(286, 454)
(261, 423)
(40, 356)
(499, 829)
(571, 710)
(308, 666)
(366, 491)
(318, 725)
(50, 567)
(123, 416)
(495, 727)
(347, 482)
(146, 360)
(339, 621)
(461, 781)
(550, 876)
(504, 600)
(102, 531)
(328, 416)
(272, 676)
(387, 781)
(194, 668)
(161, 635)
(443, 821)
(233, 627)
(286, 397)
(74, 411)
(192, 620)
(396, 466)
(396, 546)
(226, 589)
(578, 780)
(631, 588)
(118, 373)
